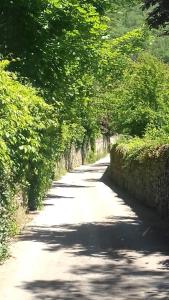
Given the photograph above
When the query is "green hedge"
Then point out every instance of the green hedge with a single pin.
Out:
(29, 137)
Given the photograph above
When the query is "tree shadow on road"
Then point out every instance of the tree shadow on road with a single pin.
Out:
(65, 185)
(109, 260)
(93, 170)
(111, 287)
(103, 282)
(54, 196)
(113, 272)
(106, 239)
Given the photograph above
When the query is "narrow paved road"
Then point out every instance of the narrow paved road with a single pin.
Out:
(89, 244)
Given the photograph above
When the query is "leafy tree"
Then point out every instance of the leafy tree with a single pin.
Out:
(115, 61)
(47, 36)
(142, 99)
(54, 45)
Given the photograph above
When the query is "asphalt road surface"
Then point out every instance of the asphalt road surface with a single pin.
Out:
(90, 242)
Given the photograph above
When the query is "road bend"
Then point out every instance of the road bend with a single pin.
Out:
(90, 242)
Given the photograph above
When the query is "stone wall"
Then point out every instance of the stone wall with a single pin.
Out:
(146, 180)
(76, 157)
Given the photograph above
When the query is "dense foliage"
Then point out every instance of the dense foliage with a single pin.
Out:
(70, 71)
(27, 146)
(142, 99)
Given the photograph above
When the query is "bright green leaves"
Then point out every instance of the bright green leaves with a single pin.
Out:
(142, 98)
(27, 141)
(132, 42)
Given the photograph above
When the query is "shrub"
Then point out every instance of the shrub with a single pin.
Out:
(28, 145)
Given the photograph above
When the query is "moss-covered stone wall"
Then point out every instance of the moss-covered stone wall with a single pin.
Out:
(146, 180)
